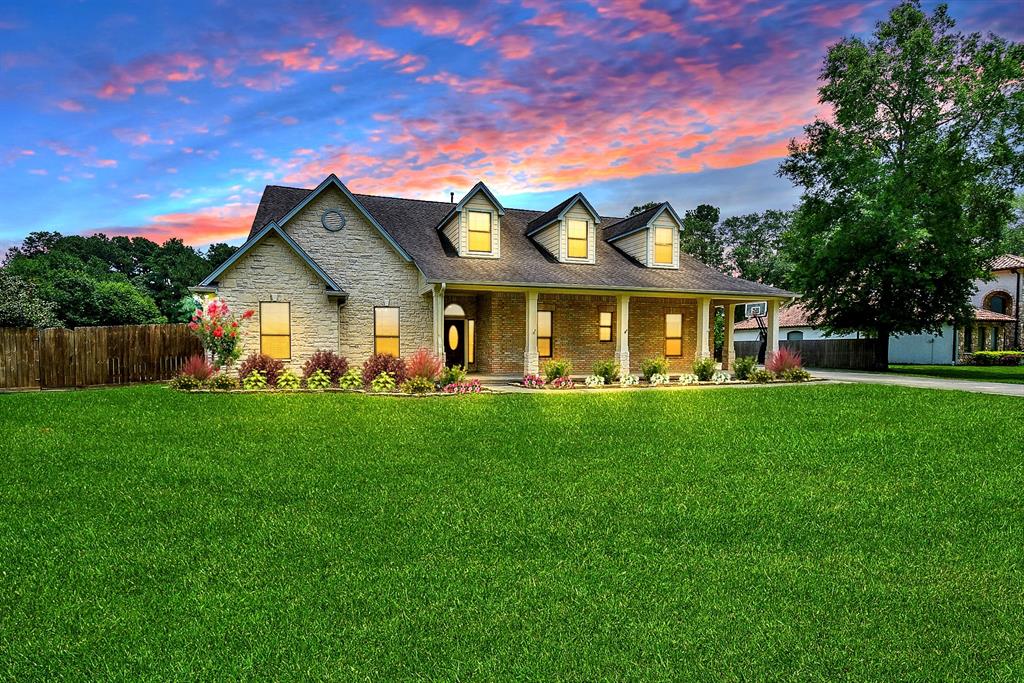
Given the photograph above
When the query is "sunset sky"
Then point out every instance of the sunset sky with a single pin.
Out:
(167, 119)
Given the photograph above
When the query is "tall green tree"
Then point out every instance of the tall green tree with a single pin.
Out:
(908, 185)
(755, 247)
(640, 208)
(700, 236)
(21, 305)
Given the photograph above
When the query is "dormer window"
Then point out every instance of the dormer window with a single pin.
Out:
(479, 231)
(663, 243)
(577, 238)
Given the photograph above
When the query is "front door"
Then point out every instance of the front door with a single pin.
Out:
(455, 342)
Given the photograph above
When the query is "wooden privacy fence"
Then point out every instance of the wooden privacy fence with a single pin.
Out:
(848, 354)
(89, 356)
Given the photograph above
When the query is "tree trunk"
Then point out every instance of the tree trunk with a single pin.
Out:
(882, 349)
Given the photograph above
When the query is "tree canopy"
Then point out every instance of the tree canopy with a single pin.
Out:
(96, 280)
(908, 185)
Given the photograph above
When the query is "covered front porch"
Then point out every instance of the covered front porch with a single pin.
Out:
(509, 332)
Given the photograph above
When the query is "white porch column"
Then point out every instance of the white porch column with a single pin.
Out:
(728, 347)
(438, 312)
(531, 360)
(773, 328)
(703, 327)
(622, 333)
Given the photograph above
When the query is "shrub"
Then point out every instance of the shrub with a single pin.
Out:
(331, 363)
(352, 379)
(657, 379)
(629, 380)
(563, 383)
(995, 358)
(533, 381)
(183, 382)
(704, 368)
(720, 378)
(594, 381)
(688, 379)
(470, 387)
(254, 381)
(654, 366)
(288, 381)
(760, 376)
(383, 362)
(222, 381)
(743, 366)
(608, 370)
(384, 383)
(417, 385)
(555, 368)
(197, 367)
(269, 367)
(452, 375)
(795, 375)
(424, 364)
(783, 360)
(320, 380)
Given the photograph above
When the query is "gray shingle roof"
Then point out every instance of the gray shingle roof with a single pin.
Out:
(630, 224)
(412, 223)
(550, 215)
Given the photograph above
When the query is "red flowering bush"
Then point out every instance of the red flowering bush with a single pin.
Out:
(383, 362)
(197, 367)
(220, 330)
(333, 365)
(270, 367)
(782, 360)
(424, 364)
(470, 387)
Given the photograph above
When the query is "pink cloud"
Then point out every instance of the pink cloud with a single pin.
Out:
(228, 222)
(70, 105)
(301, 59)
(441, 21)
(39, 171)
(155, 70)
(137, 138)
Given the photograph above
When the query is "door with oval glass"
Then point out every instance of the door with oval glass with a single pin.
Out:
(455, 342)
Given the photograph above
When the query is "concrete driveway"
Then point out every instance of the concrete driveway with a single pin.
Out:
(998, 388)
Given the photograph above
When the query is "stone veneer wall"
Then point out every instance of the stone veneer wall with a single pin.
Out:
(358, 258)
(272, 271)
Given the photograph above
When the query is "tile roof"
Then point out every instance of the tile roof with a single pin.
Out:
(794, 315)
(412, 223)
(1008, 261)
(986, 315)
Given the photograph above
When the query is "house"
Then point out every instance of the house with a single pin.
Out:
(997, 323)
(494, 288)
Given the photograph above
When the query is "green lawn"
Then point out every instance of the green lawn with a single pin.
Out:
(814, 532)
(981, 373)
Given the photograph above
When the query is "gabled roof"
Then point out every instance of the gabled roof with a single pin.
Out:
(558, 213)
(272, 227)
(332, 181)
(1008, 262)
(479, 187)
(641, 221)
(412, 222)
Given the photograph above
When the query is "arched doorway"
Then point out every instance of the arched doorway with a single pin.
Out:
(455, 335)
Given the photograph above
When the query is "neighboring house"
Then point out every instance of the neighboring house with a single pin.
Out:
(495, 288)
(997, 323)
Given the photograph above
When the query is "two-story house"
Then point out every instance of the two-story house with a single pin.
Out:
(495, 288)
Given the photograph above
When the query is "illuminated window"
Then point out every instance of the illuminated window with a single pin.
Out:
(385, 331)
(470, 341)
(604, 326)
(673, 334)
(663, 246)
(479, 231)
(544, 334)
(275, 330)
(577, 235)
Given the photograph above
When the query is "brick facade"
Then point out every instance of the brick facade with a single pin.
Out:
(501, 329)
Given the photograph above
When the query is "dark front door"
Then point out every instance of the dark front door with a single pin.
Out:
(455, 342)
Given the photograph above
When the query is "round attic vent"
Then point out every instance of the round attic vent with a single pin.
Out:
(333, 220)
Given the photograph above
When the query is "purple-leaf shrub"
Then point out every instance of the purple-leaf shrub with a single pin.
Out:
(333, 365)
(270, 367)
(383, 362)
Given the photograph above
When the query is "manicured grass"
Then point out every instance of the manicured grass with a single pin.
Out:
(813, 532)
(980, 373)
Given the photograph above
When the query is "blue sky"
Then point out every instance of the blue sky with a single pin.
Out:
(168, 119)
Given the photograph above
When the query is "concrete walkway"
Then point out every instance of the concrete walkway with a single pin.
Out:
(998, 388)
